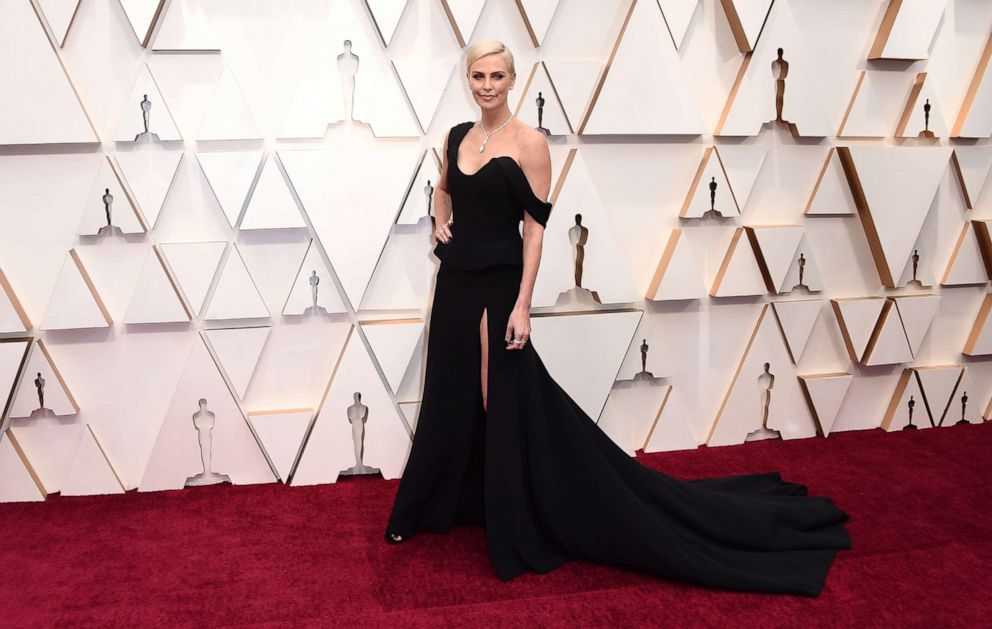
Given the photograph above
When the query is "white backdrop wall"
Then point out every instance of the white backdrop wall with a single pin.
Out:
(256, 180)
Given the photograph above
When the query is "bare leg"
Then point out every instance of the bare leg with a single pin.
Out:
(484, 338)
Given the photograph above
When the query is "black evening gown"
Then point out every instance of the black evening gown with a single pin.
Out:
(538, 473)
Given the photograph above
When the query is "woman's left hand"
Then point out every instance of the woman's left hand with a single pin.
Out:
(518, 328)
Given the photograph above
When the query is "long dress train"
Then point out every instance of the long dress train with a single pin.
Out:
(540, 475)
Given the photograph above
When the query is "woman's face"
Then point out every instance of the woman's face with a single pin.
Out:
(490, 80)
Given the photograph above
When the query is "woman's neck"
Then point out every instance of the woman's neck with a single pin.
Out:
(494, 118)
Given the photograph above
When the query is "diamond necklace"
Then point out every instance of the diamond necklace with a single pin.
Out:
(482, 147)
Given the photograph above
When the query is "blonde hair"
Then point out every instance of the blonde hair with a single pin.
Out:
(489, 47)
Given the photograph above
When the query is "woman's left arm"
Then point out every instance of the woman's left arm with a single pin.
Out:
(536, 165)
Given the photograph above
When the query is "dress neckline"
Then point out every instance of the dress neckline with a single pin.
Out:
(469, 124)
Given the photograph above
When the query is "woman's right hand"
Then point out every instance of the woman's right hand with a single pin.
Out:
(443, 231)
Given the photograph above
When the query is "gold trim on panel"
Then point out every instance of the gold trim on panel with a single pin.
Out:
(737, 372)
(976, 329)
(14, 301)
(91, 286)
(657, 416)
(666, 259)
(884, 30)
(106, 458)
(976, 83)
(172, 281)
(15, 381)
(727, 257)
(26, 463)
(914, 94)
(58, 374)
(897, 394)
(877, 330)
(850, 104)
(984, 244)
(864, 213)
(606, 69)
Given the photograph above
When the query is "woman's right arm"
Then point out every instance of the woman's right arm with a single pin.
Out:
(442, 201)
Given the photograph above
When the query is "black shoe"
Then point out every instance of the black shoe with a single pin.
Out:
(396, 538)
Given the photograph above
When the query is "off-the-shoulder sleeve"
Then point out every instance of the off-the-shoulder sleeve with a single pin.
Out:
(538, 209)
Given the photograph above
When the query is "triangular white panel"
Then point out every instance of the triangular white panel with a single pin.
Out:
(856, 318)
(91, 472)
(575, 81)
(710, 190)
(678, 14)
(17, 484)
(742, 163)
(464, 15)
(74, 302)
(415, 207)
(797, 319)
(230, 174)
(644, 62)
(552, 113)
(923, 116)
(313, 277)
(875, 105)
(979, 341)
(739, 274)
(888, 344)
(228, 116)
(972, 165)
(825, 394)
(747, 19)
(12, 356)
(177, 455)
(386, 14)
(355, 393)
(587, 370)
(281, 435)
(778, 246)
(36, 86)
(630, 413)
(155, 299)
(237, 351)
(160, 120)
(348, 80)
(917, 312)
(185, 27)
(394, 344)
(605, 269)
(142, 15)
(107, 196)
(58, 397)
(677, 275)
(48, 444)
(907, 29)
(832, 193)
(803, 271)
(975, 116)
(755, 389)
(966, 264)
(271, 205)
(193, 265)
(752, 100)
(899, 185)
(671, 428)
(350, 205)
(939, 385)
(424, 81)
(236, 296)
(149, 174)
(13, 318)
(59, 14)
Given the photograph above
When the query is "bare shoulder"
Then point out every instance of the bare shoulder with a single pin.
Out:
(533, 146)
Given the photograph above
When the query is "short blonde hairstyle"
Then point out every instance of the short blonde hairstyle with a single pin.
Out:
(489, 47)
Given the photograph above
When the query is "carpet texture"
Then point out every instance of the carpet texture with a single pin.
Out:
(921, 523)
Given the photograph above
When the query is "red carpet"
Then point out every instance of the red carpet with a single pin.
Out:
(921, 521)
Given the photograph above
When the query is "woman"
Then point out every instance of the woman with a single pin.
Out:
(499, 443)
